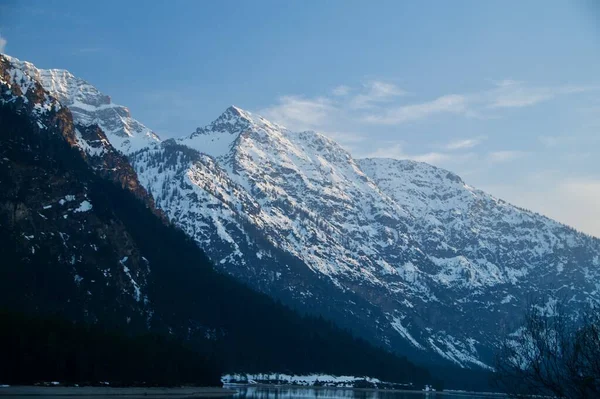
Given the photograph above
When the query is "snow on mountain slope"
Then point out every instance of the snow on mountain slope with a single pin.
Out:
(403, 253)
(461, 222)
(445, 265)
(89, 106)
(322, 380)
(312, 199)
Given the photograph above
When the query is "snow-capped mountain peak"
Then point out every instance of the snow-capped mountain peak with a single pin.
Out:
(89, 106)
(234, 121)
(413, 240)
(218, 138)
(404, 253)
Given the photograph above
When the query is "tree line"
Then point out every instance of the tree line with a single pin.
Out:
(36, 349)
(200, 319)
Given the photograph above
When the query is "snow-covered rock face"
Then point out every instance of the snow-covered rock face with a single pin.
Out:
(462, 227)
(446, 268)
(56, 214)
(404, 253)
(89, 106)
(308, 195)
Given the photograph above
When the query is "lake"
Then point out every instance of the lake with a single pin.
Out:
(264, 392)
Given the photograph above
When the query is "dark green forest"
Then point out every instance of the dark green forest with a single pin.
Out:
(36, 349)
(202, 322)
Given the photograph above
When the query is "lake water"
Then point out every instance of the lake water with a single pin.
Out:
(340, 393)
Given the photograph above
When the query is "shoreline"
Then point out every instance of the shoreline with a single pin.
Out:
(454, 393)
(228, 390)
(184, 392)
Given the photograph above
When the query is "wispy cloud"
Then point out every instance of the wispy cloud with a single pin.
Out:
(434, 158)
(445, 158)
(391, 150)
(452, 103)
(463, 144)
(506, 94)
(396, 151)
(3, 42)
(513, 94)
(300, 113)
(380, 109)
(375, 92)
(382, 103)
(341, 90)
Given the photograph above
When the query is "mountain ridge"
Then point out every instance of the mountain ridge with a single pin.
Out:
(78, 243)
(89, 106)
(248, 159)
(404, 253)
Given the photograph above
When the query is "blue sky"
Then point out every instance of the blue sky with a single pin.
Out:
(505, 93)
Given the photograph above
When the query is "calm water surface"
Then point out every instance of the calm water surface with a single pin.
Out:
(338, 393)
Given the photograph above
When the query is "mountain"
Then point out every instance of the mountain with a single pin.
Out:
(89, 106)
(84, 243)
(405, 254)
(435, 265)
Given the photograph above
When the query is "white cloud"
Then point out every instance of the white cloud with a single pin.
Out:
(300, 113)
(511, 97)
(507, 83)
(434, 158)
(3, 42)
(375, 92)
(452, 103)
(376, 103)
(506, 94)
(333, 113)
(396, 151)
(464, 143)
(389, 151)
(513, 94)
(341, 90)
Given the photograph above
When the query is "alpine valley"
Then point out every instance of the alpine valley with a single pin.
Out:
(402, 253)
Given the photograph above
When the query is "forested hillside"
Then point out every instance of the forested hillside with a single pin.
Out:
(77, 245)
(47, 349)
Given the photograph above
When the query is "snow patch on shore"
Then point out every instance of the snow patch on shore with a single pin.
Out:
(328, 380)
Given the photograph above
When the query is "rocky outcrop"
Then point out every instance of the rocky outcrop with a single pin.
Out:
(48, 216)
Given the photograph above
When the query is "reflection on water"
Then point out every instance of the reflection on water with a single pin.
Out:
(334, 393)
